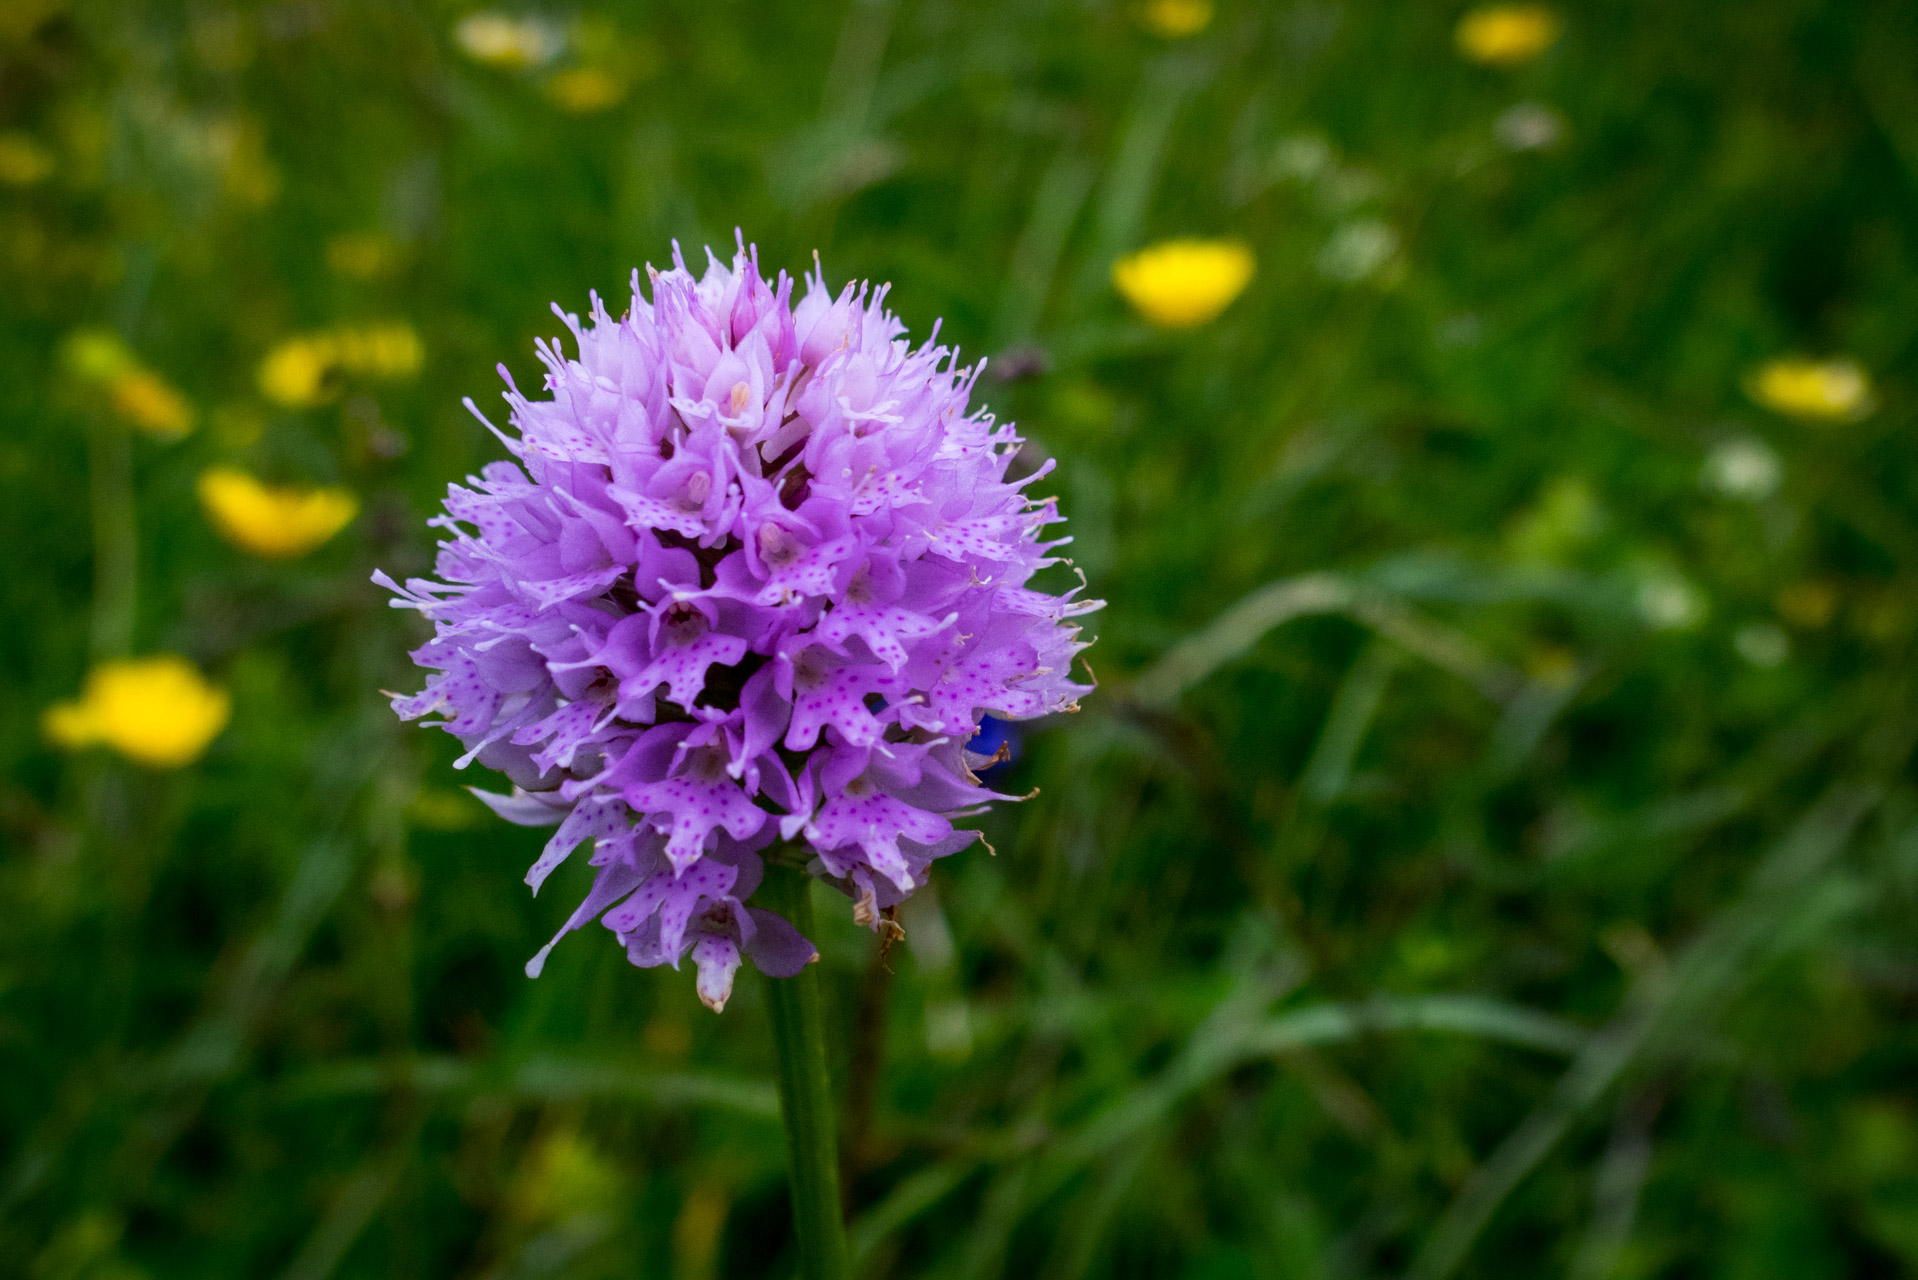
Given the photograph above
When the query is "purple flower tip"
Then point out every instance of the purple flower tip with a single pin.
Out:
(756, 574)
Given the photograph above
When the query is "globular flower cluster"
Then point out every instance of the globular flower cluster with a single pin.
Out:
(755, 576)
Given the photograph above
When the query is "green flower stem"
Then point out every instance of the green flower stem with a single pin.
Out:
(805, 1090)
(115, 540)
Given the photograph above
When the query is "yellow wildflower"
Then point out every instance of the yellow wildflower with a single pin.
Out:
(1176, 19)
(584, 90)
(1507, 35)
(380, 351)
(151, 403)
(299, 373)
(499, 41)
(159, 711)
(23, 161)
(1179, 284)
(305, 371)
(270, 520)
(1820, 390)
(138, 395)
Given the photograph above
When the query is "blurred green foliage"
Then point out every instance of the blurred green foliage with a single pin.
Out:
(1494, 850)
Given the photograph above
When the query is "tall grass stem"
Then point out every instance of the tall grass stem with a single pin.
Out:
(115, 540)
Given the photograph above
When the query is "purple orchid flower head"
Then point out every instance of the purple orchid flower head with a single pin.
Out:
(754, 575)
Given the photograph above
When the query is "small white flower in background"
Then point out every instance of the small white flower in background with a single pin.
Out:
(1743, 468)
(1669, 603)
(497, 40)
(1762, 644)
(1529, 126)
(1358, 250)
(1303, 156)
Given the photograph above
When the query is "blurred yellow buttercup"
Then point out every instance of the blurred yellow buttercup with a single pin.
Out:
(151, 403)
(304, 371)
(1819, 390)
(136, 394)
(299, 372)
(1507, 35)
(273, 521)
(1179, 284)
(1176, 19)
(159, 711)
(380, 351)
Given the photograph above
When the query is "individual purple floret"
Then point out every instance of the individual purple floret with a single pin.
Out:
(756, 575)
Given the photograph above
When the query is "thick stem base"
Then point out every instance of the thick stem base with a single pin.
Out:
(805, 1090)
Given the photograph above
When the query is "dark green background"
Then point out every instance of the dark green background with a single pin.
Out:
(1473, 927)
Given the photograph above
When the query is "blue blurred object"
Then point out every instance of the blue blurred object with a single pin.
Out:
(993, 734)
